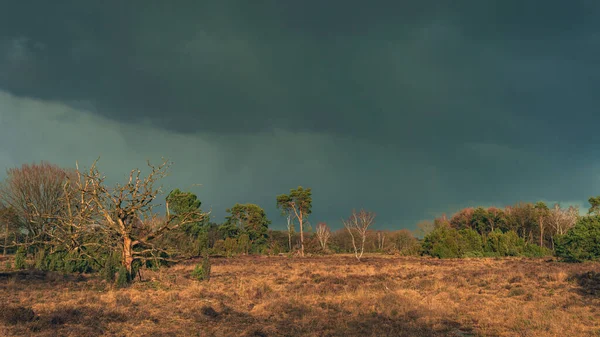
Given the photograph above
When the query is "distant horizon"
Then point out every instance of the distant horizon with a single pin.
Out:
(332, 224)
(409, 109)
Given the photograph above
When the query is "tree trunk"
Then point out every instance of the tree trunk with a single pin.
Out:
(289, 233)
(541, 233)
(5, 238)
(301, 235)
(362, 246)
(127, 254)
(354, 245)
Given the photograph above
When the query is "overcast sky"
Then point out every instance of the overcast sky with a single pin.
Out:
(410, 109)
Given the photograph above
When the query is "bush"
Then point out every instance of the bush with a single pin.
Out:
(20, 257)
(403, 243)
(470, 243)
(202, 272)
(532, 250)
(123, 277)
(62, 261)
(231, 246)
(582, 242)
(504, 244)
(442, 242)
(473, 254)
(41, 262)
(446, 242)
(111, 266)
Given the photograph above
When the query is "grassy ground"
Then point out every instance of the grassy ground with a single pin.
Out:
(317, 296)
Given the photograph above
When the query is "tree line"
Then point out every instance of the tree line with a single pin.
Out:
(72, 220)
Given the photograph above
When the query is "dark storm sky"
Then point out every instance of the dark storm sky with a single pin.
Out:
(407, 108)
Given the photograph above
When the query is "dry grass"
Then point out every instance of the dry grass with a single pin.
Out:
(317, 296)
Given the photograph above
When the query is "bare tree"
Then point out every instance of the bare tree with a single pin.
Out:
(381, 240)
(425, 227)
(542, 213)
(323, 234)
(123, 215)
(8, 219)
(357, 225)
(561, 220)
(36, 195)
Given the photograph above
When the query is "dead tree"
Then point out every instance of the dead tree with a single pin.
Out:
(561, 220)
(8, 218)
(323, 234)
(36, 194)
(125, 213)
(357, 225)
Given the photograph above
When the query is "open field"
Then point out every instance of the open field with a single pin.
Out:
(317, 296)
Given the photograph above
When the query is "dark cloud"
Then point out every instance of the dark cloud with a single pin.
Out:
(418, 103)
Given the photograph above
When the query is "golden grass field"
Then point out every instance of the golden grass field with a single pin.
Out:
(315, 296)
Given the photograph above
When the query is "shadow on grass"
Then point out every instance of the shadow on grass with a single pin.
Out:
(39, 276)
(80, 321)
(589, 283)
(302, 320)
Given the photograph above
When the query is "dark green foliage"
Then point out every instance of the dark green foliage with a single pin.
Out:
(504, 244)
(62, 261)
(202, 272)
(111, 266)
(442, 242)
(201, 243)
(192, 236)
(123, 277)
(594, 205)
(183, 204)
(510, 244)
(249, 224)
(298, 205)
(20, 257)
(154, 263)
(229, 230)
(532, 250)
(479, 220)
(470, 243)
(41, 262)
(230, 246)
(446, 242)
(582, 242)
(299, 198)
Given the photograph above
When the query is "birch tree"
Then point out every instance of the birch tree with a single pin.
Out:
(561, 220)
(357, 225)
(542, 212)
(323, 234)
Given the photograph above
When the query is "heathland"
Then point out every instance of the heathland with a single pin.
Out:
(313, 296)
